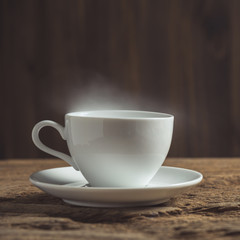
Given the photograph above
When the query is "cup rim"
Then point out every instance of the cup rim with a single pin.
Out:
(132, 114)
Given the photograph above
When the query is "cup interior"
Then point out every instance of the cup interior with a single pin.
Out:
(122, 114)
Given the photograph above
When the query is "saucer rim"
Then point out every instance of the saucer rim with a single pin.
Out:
(198, 178)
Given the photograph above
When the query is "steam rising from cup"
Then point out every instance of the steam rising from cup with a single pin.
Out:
(99, 95)
(95, 92)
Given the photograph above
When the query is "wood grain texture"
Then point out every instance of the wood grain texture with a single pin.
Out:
(210, 210)
(176, 56)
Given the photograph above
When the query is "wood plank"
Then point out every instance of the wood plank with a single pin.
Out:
(210, 210)
(235, 76)
(177, 56)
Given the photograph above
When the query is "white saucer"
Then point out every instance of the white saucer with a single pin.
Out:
(70, 185)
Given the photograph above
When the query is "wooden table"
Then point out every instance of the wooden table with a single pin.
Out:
(210, 210)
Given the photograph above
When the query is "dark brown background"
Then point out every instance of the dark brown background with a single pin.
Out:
(175, 56)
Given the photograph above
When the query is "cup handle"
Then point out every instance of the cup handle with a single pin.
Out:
(40, 145)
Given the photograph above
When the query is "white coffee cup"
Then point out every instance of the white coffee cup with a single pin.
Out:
(113, 148)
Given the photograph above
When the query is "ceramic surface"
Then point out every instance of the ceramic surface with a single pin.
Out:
(114, 148)
(69, 185)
